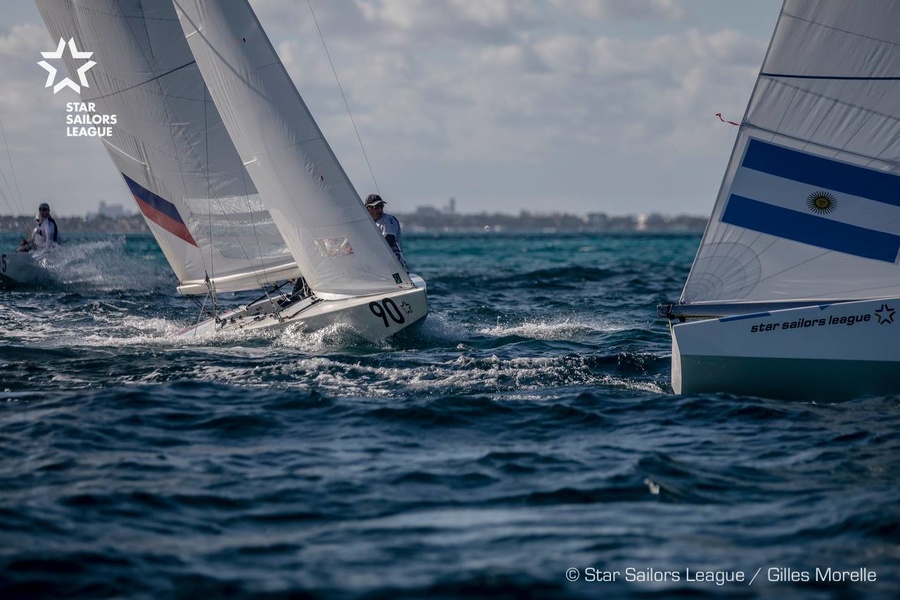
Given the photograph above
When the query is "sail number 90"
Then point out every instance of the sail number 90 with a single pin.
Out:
(387, 309)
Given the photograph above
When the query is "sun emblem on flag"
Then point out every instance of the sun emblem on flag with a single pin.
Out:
(821, 202)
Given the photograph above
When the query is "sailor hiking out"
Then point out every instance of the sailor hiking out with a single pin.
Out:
(388, 224)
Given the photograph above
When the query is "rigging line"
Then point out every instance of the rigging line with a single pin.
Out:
(827, 77)
(18, 196)
(131, 87)
(212, 265)
(346, 104)
(9, 197)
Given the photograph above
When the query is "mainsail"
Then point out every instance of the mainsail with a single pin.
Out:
(311, 199)
(809, 208)
(170, 145)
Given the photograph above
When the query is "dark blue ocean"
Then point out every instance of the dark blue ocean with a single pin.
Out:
(523, 443)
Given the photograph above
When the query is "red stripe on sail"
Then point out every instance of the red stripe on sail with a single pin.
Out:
(174, 227)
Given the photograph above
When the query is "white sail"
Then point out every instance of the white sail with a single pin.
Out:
(312, 201)
(170, 145)
(809, 208)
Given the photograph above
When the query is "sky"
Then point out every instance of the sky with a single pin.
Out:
(577, 106)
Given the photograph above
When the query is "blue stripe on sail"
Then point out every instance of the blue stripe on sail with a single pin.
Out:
(817, 171)
(156, 202)
(810, 229)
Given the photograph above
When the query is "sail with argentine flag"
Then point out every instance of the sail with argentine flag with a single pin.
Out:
(809, 208)
(793, 291)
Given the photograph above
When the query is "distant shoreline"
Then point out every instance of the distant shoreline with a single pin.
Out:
(429, 222)
(94, 224)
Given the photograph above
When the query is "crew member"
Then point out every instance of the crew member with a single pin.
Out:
(388, 224)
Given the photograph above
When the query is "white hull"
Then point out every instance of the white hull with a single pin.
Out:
(371, 317)
(821, 352)
(24, 268)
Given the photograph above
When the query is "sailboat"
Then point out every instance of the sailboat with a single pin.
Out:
(22, 266)
(25, 269)
(795, 289)
(25, 266)
(230, 170)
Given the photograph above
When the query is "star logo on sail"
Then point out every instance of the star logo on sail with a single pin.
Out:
(65, 81)
(821, 202)
(885, 315)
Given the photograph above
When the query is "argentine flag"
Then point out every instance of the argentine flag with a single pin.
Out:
(816, 200)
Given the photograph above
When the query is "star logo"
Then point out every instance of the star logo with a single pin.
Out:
(65, 81)
(407, 307)
(885, 315)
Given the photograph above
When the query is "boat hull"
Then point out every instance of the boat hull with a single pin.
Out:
(821, 352)
(23, 268)
(370, 317)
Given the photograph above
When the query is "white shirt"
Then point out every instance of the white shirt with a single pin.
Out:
(390, 226)
(42, 237)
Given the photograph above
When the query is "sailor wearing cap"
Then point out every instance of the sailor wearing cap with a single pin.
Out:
(388, 224)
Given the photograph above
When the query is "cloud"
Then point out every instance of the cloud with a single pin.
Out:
(613, 10)
(451, 19)
(20, 50)
(467, 98)
(22, 39)
(553, 77)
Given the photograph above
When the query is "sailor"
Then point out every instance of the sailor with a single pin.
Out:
(45, 234)
(388, 224)
(301, 288)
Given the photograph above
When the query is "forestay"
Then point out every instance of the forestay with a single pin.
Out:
(170, 145)
(311, 199)
(810, 204)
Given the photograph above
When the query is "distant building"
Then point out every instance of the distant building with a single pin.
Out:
(651, 222)
(598, 220)
(431, 219)
(110, 211)
(427, 212)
